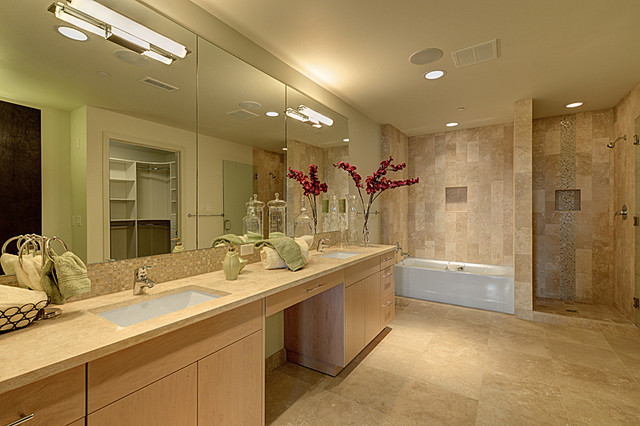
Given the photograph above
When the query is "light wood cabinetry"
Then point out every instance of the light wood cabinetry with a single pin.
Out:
(56, 400)
(230, 384)
(354, 318)
(169, 401)
(284, 299)
(372, 311)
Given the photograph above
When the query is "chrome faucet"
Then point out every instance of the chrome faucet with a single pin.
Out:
(322, 244)
(399, 250)
(141, 281)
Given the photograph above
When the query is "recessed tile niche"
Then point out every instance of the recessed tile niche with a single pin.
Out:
(456, 199)
(567, 200)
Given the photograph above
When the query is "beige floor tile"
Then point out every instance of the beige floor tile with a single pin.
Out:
(576, 335)
(529, 343)
(445, 347)
(505, 401)
(585, 410)
(520, 365)
(372, 387)
(327, 408)
(511, 323)
(425, 404)
(575, 353)
(454, 376)
(411, 337)
(469, 315)
(395, 359)
(281, 392)
(419, 321)
(478, 333)
(307, 375)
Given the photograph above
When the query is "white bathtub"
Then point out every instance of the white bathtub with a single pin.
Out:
(477, 286)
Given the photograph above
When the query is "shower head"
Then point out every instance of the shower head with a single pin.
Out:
(612, 144)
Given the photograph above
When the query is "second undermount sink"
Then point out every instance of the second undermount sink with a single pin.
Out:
(340, 255)
(153, 308)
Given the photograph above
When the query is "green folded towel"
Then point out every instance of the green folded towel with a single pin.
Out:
(228, 239)
(65, 277)
(252, 237)
(288, 250)
(276, 235)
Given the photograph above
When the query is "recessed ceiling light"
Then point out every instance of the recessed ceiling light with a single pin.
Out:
(72, 33)
(425, 56)
(460, 109)
(434, 75)
(103, 74)
(452, 124)
(345, 140)
(574, 104)
(284, 148)
(271, 114)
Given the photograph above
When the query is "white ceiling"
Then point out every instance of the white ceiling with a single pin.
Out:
(553, 51)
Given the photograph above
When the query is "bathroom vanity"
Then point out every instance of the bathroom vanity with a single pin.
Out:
(203, 364)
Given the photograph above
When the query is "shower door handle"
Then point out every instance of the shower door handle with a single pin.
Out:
(622, 212)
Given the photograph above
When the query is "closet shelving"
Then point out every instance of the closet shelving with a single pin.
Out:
(143, 204)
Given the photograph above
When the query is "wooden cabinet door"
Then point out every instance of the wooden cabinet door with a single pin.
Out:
(372, 307)
(169, 401)
(230, 384)
(354, 319)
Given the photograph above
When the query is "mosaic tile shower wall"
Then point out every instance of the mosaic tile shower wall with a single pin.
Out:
(572, 201)
(481, 160)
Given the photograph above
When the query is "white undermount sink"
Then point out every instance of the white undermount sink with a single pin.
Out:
(153, 308)
(339, 255)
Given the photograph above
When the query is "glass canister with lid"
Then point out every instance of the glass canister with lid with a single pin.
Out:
(252, 223)
(304, 223)
(277, 215)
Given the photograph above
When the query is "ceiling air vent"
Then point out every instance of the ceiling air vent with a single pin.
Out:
(242, 114)
(159, 84)
(482, 52)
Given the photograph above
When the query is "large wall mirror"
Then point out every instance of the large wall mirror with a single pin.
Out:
(137, 155)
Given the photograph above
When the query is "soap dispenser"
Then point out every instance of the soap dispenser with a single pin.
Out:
(231, 264)
(178, 247)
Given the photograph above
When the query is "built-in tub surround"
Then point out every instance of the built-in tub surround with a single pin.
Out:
(395, 204)
(480, 159)
(573, 237)
(487, 287)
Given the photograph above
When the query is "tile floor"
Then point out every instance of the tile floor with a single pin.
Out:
(580, 310)
(441, 364)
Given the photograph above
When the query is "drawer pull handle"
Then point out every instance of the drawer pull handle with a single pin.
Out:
(386, 259)
(388, 275)
(22, 420)
(386, 305)
(309, 290)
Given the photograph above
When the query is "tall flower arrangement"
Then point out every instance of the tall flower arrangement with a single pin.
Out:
(311, 186)
(375, 185)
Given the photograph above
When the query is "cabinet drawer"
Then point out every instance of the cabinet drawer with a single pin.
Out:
(388, 309)
(117, 375)
(361, 270)
(387, 259)
(56, 400)
(282, 300)
(386, 282)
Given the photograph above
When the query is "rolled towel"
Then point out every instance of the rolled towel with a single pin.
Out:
(29, 272)
(16, 297)
(64, 277)
(271, 259)
(225, 240)
(8, 262)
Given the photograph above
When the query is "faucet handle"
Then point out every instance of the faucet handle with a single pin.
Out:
(141, 272)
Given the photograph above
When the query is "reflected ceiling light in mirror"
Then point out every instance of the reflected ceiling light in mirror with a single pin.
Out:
(574, 104)
(284, 148)
(250, 105)
(314, 115)
(452, 124)
(271, 114)
(103, 74)
(117, 28)
(345, 140)
(72, 33)
(434, 75)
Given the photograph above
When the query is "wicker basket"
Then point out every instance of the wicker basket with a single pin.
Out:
(16, 317)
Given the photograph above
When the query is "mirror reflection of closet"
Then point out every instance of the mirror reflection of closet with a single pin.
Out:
(144, 200)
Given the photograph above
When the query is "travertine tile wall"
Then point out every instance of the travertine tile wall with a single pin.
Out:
(480, 159)
(523, 207)
(395, 202)
(625, 113)
(573, 249)
(269, 167)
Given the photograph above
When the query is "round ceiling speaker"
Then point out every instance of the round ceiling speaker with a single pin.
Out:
(425, 56)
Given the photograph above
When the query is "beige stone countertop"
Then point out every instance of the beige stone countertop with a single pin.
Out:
(79, 335)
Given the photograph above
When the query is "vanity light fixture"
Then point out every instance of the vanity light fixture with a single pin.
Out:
(345, 140)
(452, 124)
(308, 116)
(72, 33)
(98, 19)
(271, 114)
(574, 104)
(434, 75)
